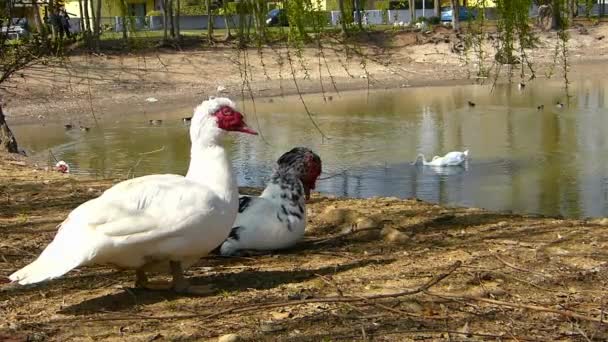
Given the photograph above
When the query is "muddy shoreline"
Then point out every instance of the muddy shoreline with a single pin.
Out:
(82, 87)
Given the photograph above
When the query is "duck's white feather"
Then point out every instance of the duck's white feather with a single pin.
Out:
(135, 223)
(146, 222)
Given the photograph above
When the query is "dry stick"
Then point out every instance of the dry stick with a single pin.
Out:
(321, 71)
(162, 63)
(565, 313)
(295, 82)
(141, 157)
(331, 77)
(418, 331)
(248, 84)
(339, 236)
(255, 307)
(518, 268)
(330, 283)
(91, 95)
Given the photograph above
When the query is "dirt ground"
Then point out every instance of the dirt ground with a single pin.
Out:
(381, 269)
(82, 86)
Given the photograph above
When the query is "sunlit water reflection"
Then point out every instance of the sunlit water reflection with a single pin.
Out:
(549, 162)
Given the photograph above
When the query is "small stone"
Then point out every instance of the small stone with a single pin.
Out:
(366, 223)
(601, 222)
(393, 235)
(280, 315)
(229, 338)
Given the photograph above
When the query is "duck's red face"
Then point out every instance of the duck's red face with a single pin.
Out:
(63, 168)
(314, 171)
(231, 120)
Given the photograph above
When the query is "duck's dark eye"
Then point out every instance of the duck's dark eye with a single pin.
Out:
(227, 111)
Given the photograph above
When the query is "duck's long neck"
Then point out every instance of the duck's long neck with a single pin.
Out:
(421, 158)
(211, 166)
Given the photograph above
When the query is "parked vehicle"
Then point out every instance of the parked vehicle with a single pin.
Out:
(277, 17)
(17, 28)
(464, 14)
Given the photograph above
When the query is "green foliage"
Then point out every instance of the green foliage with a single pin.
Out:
(332, 5)
(155, 13)
(382, 5)
(434, 20)
(229, 8)
(194, 10)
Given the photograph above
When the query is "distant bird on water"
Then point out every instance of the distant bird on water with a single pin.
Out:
(541, 107)
(62, 167)
(559, 105)
(471, 104)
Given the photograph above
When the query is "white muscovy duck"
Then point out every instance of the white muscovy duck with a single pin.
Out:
(277, 218)
(154, 223)
(451, 159)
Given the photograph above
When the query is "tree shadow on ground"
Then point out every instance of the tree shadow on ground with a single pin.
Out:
(232, 282)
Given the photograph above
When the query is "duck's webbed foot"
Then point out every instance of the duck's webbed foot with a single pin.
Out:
(183, 286)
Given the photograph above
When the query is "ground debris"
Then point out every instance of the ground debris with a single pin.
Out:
(524, 277)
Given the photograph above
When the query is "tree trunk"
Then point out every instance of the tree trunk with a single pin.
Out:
(557, 21)
(359, 16)
(171, 18)
(7, 139)
(53, 19)
(124, 11)
(209, 21)
(82, 27)
(165, 20)
(437, 8)
(87, 21)
(455, 15)
(342, 16)
(412, 5)
(41, 26)
(226, 21)
(177, 16)
(96, 14)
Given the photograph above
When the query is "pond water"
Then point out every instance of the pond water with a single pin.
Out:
(552, 162)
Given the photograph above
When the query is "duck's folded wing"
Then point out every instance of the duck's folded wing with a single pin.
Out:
(139, 210)
(146, 208)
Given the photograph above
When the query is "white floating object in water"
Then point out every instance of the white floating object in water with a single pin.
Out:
(62, 167)
(454, 158)
(151, 99)
(221, 89)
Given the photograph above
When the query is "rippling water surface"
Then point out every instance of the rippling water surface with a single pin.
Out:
(551, 162)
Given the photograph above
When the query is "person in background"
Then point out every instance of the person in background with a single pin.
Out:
(62, 23)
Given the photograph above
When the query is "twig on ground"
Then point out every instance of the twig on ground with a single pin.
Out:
(565, 313)
(331, 283)
(519, 268)
(256, 307)
(338, 236)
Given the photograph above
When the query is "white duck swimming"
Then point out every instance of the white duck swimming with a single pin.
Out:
(451, 159)
(157, 222)
(276, 219)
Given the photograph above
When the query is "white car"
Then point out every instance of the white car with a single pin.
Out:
(14, 31)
